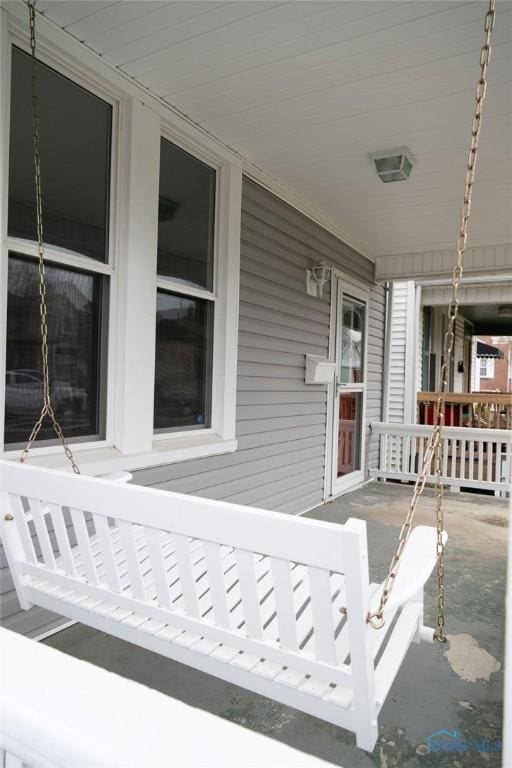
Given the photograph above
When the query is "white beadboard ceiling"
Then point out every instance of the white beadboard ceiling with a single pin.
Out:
(305, 90)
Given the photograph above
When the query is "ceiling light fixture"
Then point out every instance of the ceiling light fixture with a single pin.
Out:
(393, 164)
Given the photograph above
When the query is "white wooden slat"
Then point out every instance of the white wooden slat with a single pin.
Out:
(480, 460)
(43, 536)
(249, 593)
(453, 454)
(471, 467)
(323, 628)
(489, 461)
(21, 524)
(462, 470)
(446, 448)
(216, 582)
(132, 561)
(154, 541)
(103, 532)
(186, 575)
(59, 526)
(283, 597)
(84, 544)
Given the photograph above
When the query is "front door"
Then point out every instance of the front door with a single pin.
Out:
(349, 306)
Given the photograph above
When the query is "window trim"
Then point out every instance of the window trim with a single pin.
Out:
(128, 445)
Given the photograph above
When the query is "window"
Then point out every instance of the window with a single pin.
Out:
(142, 257)
(486, 368)
(185, 319)
(75, 130)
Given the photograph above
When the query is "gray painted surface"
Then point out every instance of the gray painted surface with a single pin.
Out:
(281, 421)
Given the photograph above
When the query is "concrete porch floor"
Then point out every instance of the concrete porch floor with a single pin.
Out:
(457, 686)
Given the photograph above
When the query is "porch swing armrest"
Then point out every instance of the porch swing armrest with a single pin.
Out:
(417, 563)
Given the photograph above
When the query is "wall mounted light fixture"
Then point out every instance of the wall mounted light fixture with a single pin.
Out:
(316, 278)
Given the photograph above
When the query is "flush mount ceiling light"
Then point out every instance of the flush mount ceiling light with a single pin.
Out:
(393, 164)
(505, 310)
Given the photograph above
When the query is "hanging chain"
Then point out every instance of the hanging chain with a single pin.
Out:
(47, 408)
(435, 444)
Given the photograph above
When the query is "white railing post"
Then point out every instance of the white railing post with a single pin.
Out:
(13, 548)
(469, 459)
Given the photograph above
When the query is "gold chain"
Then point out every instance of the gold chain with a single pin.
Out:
(47, 409)
(435, 443)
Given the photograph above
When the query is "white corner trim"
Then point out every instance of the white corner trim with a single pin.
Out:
(176, 120)
(101, 461)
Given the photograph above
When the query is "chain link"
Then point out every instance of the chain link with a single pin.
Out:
(47, 410)
(434, 449)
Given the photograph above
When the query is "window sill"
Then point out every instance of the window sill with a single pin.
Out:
(100, 461)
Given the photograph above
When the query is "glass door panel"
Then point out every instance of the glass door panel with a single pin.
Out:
(349, 433)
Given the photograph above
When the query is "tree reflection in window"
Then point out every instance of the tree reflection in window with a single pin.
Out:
(352, 341)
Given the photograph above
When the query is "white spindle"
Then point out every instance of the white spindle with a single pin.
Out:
(105, 542)
(186, 575)
(471, 469)
(154, 540)
(20, 519)
(445, 457)
(42, 533)
(453, 453)
(216, 582)
(462, 471)
(480, 459)
(84, 544)
(249, 593)
(489, 460)
(61, 534)
(283, 596)
(323, 627)
(132, 560)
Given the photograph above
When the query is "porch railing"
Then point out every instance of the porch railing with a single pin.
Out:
(472, 458)
(479, 410)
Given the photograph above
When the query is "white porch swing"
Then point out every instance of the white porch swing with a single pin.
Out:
(279, 605)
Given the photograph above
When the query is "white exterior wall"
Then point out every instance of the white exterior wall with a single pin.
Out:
(402, 365)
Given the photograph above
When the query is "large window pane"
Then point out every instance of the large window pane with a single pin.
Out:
(352, 341)
(75, 129)
(183, 362)
(75, 309)
(186, 217)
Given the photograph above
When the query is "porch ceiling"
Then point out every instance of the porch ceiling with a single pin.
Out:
(305, 90)
(487, 319)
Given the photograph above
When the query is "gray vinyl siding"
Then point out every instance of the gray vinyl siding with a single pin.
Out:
(281, 421)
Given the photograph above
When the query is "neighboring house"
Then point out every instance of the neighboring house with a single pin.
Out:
(495, 373)
(180, 303)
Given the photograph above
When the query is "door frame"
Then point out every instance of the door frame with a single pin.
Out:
(333, 487)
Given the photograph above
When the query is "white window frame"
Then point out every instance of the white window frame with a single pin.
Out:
(488, 364)
(139, 122)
